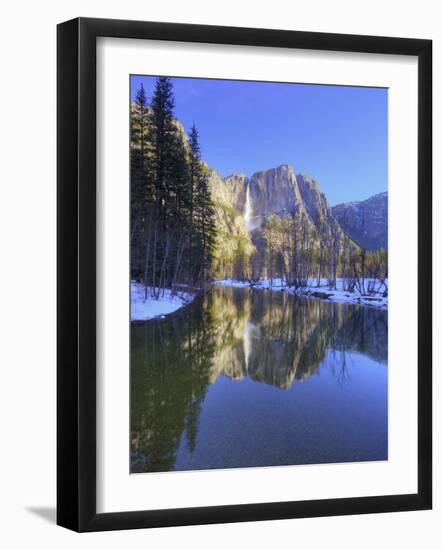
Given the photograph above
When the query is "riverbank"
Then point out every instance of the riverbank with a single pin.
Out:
(320, 292)
(143, 310)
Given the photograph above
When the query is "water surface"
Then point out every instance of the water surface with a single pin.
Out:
(246, 377)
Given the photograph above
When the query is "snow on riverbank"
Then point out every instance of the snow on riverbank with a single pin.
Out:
(142, 310)
(322, 292)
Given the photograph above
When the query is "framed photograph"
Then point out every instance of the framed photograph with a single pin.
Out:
(244, 274)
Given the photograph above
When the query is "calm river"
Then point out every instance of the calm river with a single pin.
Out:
(245, 377)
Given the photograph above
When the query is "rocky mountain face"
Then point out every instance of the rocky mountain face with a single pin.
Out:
(233, 236)
(236, 185)
(281, 191)
(366, 222)
(315, 202)
(275, 191)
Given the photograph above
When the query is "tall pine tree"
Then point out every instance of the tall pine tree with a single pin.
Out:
(204, 230)
(139, 175)
(172, 214)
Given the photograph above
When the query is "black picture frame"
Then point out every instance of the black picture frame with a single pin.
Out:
(76, 265)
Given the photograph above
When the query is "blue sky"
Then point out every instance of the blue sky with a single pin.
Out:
(335, 134)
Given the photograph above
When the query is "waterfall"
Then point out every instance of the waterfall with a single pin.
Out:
(248, 210)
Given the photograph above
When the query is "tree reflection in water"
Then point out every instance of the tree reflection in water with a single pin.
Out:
(265, 336)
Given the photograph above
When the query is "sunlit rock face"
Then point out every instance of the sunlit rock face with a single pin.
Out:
(236, 185)
(229, 199)
(366, 222)
(274, 191)
(314, 200)
(231, 190)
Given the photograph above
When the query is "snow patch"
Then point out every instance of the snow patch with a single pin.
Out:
(142, 310)
(322, 291)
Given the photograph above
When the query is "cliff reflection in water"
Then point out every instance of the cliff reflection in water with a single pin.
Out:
(267, 337)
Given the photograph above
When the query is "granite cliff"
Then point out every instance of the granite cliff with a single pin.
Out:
(281, 191)
(278, 191)
(366, 222)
